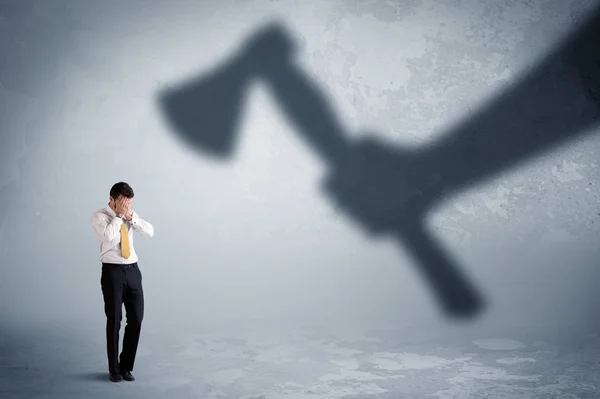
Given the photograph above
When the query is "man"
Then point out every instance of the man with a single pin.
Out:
(121, 279)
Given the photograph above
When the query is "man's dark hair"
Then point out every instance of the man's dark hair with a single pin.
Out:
(121, 188)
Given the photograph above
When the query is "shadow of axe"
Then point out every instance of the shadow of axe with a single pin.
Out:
(388, 190)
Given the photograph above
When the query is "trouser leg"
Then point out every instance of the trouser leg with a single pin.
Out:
(113, 287)
(134, 308)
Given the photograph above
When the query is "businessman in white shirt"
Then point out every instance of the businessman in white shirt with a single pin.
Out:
(121, 279)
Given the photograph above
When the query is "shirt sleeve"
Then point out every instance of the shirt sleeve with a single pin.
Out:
(140, 225)
(107, 229)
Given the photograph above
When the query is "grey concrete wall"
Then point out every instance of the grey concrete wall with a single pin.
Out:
(251, 237)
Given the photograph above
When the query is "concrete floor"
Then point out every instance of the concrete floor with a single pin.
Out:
(307, 363)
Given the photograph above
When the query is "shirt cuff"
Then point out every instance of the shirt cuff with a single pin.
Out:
(134, 217)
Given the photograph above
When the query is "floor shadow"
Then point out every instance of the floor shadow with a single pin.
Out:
(91, 376)
(391, 190)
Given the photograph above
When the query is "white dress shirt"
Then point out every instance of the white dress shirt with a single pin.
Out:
(107, 226)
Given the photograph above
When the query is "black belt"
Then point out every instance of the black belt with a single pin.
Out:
(123, 265)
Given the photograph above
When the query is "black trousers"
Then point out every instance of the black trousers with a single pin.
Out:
(122, 284)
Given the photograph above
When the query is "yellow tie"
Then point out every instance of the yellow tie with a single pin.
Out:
(124, 242)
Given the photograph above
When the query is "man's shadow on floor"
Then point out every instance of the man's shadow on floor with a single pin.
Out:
(91, 376)
(391, 190)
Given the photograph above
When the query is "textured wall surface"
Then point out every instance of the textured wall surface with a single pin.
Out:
(249, 236)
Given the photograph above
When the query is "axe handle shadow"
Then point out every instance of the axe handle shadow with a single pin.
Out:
(454, 293)
(312, 115)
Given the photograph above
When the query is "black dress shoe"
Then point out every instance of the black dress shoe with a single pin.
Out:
(114, 377)
(127, 376)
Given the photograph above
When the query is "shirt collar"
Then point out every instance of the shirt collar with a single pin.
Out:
(110, 211)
